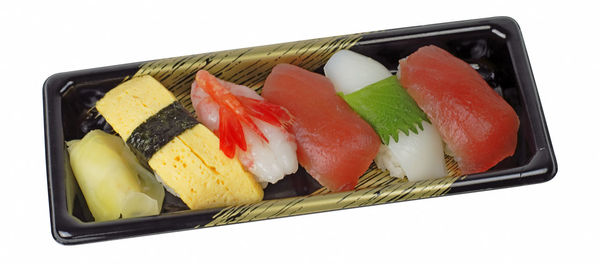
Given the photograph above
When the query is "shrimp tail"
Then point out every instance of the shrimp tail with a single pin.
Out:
(231, 133)
(250, 123)
(268, 112)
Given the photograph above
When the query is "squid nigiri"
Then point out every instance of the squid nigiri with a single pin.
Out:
(410, 146)
(247, 126)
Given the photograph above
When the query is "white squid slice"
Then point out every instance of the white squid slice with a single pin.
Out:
(421, 156)
(416, 156)
(350, 71)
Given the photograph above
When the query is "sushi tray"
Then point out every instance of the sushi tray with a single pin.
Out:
(293, 128)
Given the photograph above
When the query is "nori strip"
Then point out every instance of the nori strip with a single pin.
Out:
(159, 129)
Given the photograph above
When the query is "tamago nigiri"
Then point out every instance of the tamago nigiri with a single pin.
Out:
(410, 146)
(247, 126)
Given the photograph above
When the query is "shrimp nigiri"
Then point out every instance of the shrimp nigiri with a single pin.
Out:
(246, 125)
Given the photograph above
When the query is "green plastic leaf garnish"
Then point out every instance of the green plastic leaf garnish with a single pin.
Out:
(388, 108)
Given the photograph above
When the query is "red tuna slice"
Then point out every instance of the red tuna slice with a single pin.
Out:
(478, 126)
(335, 145)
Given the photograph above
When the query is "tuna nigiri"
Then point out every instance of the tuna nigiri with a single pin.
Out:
(411, 145)
(246, 125)
(335, 145)
(478, 126)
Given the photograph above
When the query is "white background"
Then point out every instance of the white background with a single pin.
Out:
(553, 222)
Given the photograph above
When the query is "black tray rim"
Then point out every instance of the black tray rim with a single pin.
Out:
(542, 168)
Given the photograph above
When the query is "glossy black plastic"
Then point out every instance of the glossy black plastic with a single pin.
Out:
(494, 46)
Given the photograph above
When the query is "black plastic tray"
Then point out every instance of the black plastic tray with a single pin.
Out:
(494, 46)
